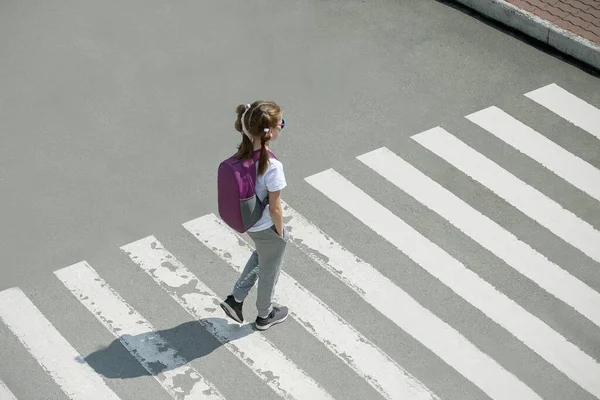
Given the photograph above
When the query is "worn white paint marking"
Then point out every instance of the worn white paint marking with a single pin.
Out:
(550, 345)
(138, 336)
(525, 198)
(57, 357)
(5, 393)
(391, 300)
(366, 359)
(568, 106)
(571, 168)
(252, 348)
(486, 232)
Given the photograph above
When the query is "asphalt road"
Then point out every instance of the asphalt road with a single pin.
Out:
(114, 117)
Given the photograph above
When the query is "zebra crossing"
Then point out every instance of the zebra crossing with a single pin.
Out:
(388, 377)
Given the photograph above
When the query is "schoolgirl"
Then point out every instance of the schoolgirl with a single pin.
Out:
(260, 123)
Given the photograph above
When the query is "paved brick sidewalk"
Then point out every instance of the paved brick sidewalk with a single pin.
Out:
(570, 26)
(582, 17)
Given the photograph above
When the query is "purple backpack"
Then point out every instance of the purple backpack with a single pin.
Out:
(239, 206)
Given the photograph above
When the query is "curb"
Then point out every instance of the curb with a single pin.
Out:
(530, 24)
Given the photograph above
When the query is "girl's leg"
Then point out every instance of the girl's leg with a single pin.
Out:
(271, 249)
(264, 264)
(247, 278)
(233, 304)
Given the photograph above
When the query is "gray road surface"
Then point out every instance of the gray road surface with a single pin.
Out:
(115, 115)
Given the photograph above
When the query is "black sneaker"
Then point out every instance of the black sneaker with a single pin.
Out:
(233, 309)
(277, 316)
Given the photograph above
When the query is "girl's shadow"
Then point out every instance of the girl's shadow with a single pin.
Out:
(183, 343)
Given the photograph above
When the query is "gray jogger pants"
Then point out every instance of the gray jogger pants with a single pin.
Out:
(264, 264)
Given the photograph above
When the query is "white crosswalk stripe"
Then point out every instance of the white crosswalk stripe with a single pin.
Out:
(523, 138)
(276, 373)
(565, 356)
(568, 106)
(528, 200)
(253, 349)
(5, 393)
(137, 334)
(50, 349)
(486, 232)
(396, 304)
(553, 347)
(350, 346)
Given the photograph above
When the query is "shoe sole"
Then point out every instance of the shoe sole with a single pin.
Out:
(265, 327)
(231, 313)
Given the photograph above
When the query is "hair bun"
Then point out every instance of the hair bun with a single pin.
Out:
(242, 108)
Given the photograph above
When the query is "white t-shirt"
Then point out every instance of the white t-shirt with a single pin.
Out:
(271, 181)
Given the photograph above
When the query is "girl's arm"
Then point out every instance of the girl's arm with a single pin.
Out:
(276, 210)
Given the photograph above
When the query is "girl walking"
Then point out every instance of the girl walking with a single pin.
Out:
(260, 123)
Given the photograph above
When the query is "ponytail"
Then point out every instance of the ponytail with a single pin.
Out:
(245, 149)
(264, 154)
